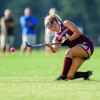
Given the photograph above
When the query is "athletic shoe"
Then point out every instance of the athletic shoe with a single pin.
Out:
(90, 72)
(60, 78)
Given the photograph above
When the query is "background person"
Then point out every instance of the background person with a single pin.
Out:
(49, 35)
(28, 24)
(80, 47)
(7, 31)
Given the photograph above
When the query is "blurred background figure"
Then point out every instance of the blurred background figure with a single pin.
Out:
(7, 31)
(48, 34)
(29, 24)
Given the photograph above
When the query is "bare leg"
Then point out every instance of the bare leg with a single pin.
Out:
(74, 74)
(76, 63)
(2, 51)
(7, 49)
(29, 50)
(72, 61)
(77, 53)
(22, 49)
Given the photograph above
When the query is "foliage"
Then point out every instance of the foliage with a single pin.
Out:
(83, 13)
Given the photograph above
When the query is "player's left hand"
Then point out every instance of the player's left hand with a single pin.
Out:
(65, 42)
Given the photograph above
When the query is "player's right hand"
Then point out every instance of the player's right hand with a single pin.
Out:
(49, 45)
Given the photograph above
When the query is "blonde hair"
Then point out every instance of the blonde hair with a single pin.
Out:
(49, 17)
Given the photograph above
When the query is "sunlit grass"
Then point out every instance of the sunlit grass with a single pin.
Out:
(32, 78)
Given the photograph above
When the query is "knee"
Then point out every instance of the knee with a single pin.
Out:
(69, 53)
(70, 76)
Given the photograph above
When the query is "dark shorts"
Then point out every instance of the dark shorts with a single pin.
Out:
(88, 47)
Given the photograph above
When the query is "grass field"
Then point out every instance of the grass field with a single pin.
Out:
(31, 78)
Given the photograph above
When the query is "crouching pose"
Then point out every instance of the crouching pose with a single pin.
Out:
(80, 47)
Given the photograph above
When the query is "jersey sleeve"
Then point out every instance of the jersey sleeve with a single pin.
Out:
(22, 21)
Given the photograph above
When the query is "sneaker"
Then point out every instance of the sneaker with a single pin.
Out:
(90, 72)
(60, 78)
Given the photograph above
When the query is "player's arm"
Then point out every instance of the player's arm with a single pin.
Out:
(53, 48)
(23, 21)
(2, 23)
(73, 28)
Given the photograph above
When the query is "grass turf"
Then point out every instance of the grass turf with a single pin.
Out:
(31, 78)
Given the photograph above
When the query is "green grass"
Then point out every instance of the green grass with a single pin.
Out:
(31, 78)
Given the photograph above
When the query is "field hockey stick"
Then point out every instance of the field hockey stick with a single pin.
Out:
(40, 45)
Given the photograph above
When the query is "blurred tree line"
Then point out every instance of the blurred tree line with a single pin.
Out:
(83, 13)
